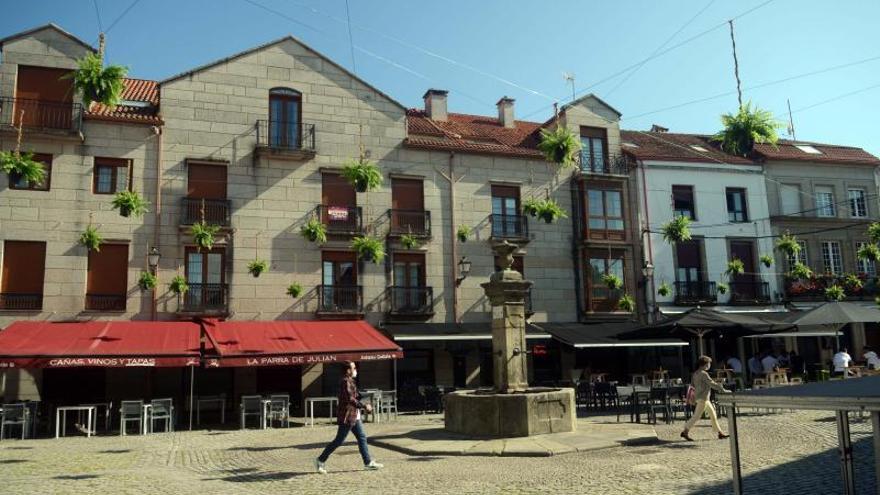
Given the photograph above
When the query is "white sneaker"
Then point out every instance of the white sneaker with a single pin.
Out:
(319, 466)
(373, 466)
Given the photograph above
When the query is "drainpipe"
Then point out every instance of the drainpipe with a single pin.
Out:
(653, 307)
(453, 253)
(576, 239)
(158, 209)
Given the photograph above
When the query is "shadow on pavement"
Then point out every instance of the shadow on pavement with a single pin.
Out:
(76, 477)
(117, 451)
(13, 461)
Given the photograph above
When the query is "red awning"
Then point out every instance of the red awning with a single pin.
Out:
(114, 344)
(286, 343)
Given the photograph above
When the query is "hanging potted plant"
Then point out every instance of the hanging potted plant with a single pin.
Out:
(835, 293)
(97, 83)
(676, 230)
(314, 230)
(612, 281)
(147, 281)
(550, 211)
(874, 232)
(203, 235)
(530, 207)
(749, 126)
(853, 282)
(766, 260)
(800, 271)
(19, 166)
(722, 288)
(128, 203)
(869, 252)
(788, 245)
(559, 146)
(257, 266)
(735, 267)
(626, 303)
(294, 290)
(463, 233)
(363, 174)
(409, 241)
(664, 289)
(178, 285)
(368, 248)
(91, 239)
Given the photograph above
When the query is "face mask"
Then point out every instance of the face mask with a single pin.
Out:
(354, 373)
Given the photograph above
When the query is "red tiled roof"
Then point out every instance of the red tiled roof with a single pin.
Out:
(139, 90)
(472, 134)
(786, 150)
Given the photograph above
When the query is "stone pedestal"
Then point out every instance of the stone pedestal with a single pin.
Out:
(536, 412)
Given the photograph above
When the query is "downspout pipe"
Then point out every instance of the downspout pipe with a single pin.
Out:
(158, 209)
(576, 239)
(453, 252)
(647, 231)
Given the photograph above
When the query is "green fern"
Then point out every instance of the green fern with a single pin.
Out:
(22, 165)
(744, 129)
(97, 83)
(91, 239)
(559, 146)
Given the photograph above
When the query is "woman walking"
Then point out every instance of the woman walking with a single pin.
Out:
(348, 417)
(703, 384)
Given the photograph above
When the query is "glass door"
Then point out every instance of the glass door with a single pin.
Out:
(409, 282)
(284, 118)
(339, 277)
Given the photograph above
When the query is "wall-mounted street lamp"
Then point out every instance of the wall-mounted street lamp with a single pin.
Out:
(464, 269)
(153, 258)
(648, 271)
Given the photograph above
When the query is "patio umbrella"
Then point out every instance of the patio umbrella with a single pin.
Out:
(699, 321)
(835, 315)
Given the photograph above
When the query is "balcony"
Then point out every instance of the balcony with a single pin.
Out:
(105, 302)
(413, 222)
(411, 301)
(344, 220)
(340, 301)
(205, 299)
(216, 211)
(286, 140)
(510, 227)
(750, 293)
(694, 293)
(594, 164)
(21, 302)
(813, 289)
(41, 116)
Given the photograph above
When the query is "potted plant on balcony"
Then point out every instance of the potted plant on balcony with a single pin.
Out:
(368, 248)
(147, 281)
(788, 245)
(612, 281)
(835, 293)
(96, 82)
(19, 165)
(314, 230)
(91, 239)
(363, 174)
(800, 271)
(767, 260)
(676, 230)
(869, 252)
(294, 290)
(531, 206)
(626, 303)
(852, 282)
(874, 232)
(735, 267)
(409, 241)
(722, 288)
(550, 211)
(257, 267)
(664, 289)
(128, 203)
(203, 235)
(744, 129)
(463, 233)
(559, 146)
(178, 285)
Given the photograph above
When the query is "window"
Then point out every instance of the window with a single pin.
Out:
(806, 148)
(339, 278)
(688, 261)
(683, 201)
(205, 192)
(825, 202)
(285, 118)
(110, 175)
(831, 259)
(339, 211)
(604, 211)
(107, 279)
(868, 267)
(21, 281)
(16, 182)
(736, 205)
(858, 206)
(408, 207)
(409, 293)
(599, 296)
(506, 220)
(699, 148)
(206, 277)
(800, 257)
(791, 199)
(44, 97)
(594, 154)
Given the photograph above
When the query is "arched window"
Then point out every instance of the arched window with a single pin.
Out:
(285, 118)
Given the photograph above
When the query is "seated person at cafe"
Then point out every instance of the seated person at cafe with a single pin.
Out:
(769, 363)
(796, 363)
(871, 359)
(755, 367)
(842, 361)
(734, 364)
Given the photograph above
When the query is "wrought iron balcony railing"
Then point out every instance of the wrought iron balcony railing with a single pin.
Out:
(697, 292)
(745, 293)
(39, 114)
(217, 211)
(411, 300)
(597, 163)
(21, 302)
(510, 226)
(105, 302)
(414, 222)
(286, 136)
(204, 298)
(340, 299)
(341, 219)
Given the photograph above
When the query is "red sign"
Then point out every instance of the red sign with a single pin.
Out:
(293, 360)
(100, 362)
(539, 350)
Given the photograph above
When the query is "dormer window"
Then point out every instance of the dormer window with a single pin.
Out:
(699, 148)
(806, 148)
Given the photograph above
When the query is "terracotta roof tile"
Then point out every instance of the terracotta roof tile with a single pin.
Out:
(136, 90)
(786, 150)
(472, 133)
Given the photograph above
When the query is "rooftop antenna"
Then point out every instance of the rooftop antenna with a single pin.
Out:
(568, 76)
(790, 121)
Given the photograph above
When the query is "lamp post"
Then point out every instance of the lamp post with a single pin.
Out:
(153, 258)
(464, 269)
(648, 274)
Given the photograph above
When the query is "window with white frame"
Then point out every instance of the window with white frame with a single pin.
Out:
(825, 202)
(858, 205)
(831, 258)
(868, 267)
(800, 257)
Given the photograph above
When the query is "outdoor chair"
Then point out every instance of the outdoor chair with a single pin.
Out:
(797, 381)
(374, 398)
(584, 394)
(389, 403)
(279, 409)
(252, 406)
(605, 394)
(131, 411)
(14, 415)
(162, 410)
(678, 403)
(658, 400)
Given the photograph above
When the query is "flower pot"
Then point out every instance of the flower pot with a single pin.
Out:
(313, 236)
(547, 217)
(360, 186)
(462, 238)
(125, 211)
(255, 273)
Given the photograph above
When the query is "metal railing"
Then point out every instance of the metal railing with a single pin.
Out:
(414, 222)
(286, 136)
(756, 292)
(217, 211)
(597, 163)
(341, 219)
(510, 226)
(412, 300)
(697, 292)
(340, 299)
(105, 302)
(39, 114)
(202, 298)
(22, 302)
(813, 289)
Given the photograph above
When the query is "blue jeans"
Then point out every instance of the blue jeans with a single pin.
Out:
(358, 429)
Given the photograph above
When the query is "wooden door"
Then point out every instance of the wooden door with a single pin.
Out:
(44, 97)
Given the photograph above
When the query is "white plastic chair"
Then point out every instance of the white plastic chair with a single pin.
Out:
(279, 409)
(162, 410)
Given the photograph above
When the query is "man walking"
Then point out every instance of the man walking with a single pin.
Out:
(348, 417)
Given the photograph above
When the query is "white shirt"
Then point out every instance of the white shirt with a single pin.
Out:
(872, 359)
(842, 361)
(768, 363)
(735, 365)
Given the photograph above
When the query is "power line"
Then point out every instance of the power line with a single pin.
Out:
(98, 15)
(124, 12)
(350, 38)
(772, 236)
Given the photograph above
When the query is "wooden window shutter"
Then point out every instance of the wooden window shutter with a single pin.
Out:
(206, 181)
(24, 267)
(407, 194)
(108, 270)
(336, 191)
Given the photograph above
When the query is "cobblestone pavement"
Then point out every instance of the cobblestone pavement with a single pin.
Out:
(783, 453)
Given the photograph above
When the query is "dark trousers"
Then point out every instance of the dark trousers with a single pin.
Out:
(358, 429)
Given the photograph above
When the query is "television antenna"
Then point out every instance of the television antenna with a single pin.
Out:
(568, 76)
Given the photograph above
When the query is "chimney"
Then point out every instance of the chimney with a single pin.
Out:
(658, 128)
(435, 104)
(505, 112)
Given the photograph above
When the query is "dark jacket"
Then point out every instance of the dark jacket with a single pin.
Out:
(349, 402)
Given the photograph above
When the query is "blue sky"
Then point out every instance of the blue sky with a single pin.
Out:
(531, 44)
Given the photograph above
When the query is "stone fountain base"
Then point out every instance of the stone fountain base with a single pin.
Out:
(537, 411)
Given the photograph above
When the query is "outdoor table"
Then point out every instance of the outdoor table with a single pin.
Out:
(310, 405)
(376, 401)
(205, 399)
(635, 411)
(107, 406)
(61, 419)
(660, 374)
(638, 378)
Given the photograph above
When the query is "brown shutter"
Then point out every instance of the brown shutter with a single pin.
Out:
(43, 84)
(336, 191)
(338, 256)
(688, 254)
(593, 132)
(24, 267)
(407, 194)
(108, 270)
(206, 181)
(505, 192)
